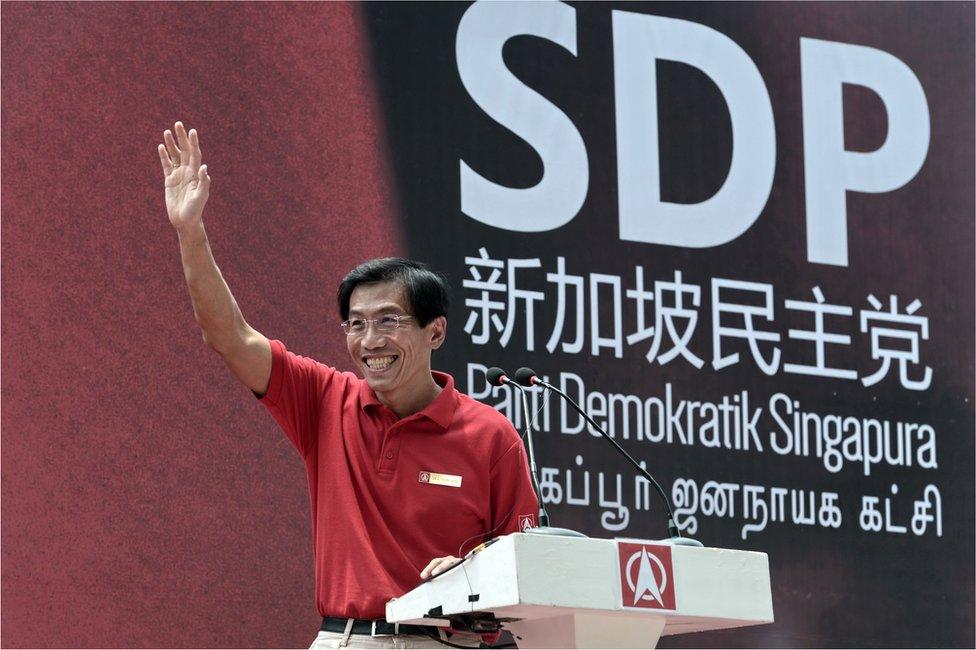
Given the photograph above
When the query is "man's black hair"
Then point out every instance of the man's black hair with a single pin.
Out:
(426, 290)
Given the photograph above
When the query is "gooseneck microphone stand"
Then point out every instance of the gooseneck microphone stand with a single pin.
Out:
(527, 377)
(497, 377)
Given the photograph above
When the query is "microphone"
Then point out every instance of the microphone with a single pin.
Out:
(527, 377)
(497, 377)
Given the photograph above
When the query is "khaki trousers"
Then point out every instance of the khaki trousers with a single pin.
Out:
(330, 640)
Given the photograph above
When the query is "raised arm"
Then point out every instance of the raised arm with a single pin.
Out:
(246, 351)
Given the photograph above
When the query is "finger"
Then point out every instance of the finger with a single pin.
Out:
(204, 178)
(184, 143)
(171, 148)
(164, 160)
(438, 569)
(432, 568)
(195, 155)
(445, 564)
(430, 565)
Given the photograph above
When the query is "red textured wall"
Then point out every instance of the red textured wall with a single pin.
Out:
(148, 499)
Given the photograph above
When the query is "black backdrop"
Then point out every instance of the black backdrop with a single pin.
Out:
(835, 583)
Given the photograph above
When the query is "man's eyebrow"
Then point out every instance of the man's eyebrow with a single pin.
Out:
(391, 308)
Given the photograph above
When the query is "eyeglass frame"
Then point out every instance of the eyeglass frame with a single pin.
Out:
(346, 325)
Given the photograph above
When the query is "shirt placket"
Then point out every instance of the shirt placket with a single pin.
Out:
(390, 451)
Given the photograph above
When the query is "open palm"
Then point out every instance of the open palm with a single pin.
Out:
(186, 180)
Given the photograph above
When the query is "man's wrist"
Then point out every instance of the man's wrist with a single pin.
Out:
(192, 232)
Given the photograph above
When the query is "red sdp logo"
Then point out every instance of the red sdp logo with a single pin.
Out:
(646, 575)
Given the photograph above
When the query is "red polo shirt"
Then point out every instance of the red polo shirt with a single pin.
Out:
(387, 494)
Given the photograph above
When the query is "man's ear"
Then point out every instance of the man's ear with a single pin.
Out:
(438, 332)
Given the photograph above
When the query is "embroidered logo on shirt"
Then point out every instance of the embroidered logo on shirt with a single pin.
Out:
(526, 522)
(434, 478)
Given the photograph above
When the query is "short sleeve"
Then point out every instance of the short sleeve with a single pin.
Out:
(513, 500)
(294, 395)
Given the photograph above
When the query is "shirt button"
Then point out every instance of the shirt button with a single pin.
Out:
(389, 455)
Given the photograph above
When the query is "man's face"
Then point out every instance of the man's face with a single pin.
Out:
(398, 361)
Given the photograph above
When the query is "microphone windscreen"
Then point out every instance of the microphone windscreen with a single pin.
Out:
(525, 376)
(495, 376)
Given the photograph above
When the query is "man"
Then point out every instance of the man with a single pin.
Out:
(401, 467)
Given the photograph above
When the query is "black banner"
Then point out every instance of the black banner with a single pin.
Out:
(741, 235)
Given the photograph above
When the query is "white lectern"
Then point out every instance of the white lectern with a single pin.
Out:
(570, 592)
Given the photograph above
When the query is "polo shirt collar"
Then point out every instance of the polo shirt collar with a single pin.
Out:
(440, 411)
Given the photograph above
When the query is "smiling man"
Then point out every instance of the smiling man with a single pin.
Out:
(405, 473)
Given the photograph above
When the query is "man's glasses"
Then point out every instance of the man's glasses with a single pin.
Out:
(385, 323)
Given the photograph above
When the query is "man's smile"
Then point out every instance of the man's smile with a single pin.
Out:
(380, 362)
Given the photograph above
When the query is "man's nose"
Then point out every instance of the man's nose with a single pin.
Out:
(373, 337)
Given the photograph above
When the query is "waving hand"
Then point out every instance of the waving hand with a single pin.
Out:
(187, 182)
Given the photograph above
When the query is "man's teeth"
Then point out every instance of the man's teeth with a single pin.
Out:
(379, 363)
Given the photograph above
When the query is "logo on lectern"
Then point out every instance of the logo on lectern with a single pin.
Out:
(646, 575)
